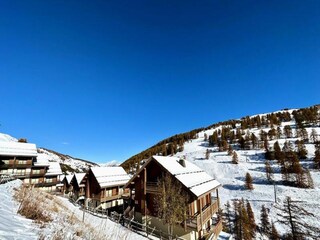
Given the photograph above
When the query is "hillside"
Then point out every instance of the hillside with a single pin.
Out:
(68, 163)
(255, 140)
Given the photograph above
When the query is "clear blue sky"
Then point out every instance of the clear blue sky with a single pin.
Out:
(104, 80)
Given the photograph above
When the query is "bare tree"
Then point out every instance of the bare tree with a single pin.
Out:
(293, 216)
(171, 202)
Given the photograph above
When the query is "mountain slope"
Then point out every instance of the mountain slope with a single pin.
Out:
(208, 148)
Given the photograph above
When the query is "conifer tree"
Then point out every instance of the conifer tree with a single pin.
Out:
(228, 218)
(248, 181)
(292, 215)
(279, 132)
(252, 222)
(274, 235)
(301, 149)
(265, 223)
(316, 159)
(207, 154)
(230, 150)
(235, 158)
(269, 170)
(287, 131)
(314, 136)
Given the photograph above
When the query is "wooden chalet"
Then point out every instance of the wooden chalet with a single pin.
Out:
(201, 188)
(67, 186)
(17, 158)
(78, 185)
(104, 187)
(51, 178)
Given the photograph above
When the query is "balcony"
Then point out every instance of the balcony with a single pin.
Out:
(152, 187)
(207, 212)
(101, 198)
(214, 231)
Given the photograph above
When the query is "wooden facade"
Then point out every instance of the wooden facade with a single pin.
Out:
(201, 209)
(104, 196)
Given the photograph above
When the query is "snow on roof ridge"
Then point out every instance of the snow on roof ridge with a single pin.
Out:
(190, 175)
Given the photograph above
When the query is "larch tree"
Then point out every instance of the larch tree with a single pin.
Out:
(248, 181)
(207, 154)
(314, 136)
(265, 223)
(269, 170)
(252, 222)
(292, 215)
(316, 159)
(230, 150)
(171, 202)
(235, 159)
(274, 235)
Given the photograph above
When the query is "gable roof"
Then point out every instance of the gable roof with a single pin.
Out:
(69, 178)
(79, 177)
(110, 176)
(18, 149)
(191, 176)
(54, 169)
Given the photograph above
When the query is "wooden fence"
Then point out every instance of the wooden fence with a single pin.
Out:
(132, 225)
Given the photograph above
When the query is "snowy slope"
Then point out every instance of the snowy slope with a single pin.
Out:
(232, 176)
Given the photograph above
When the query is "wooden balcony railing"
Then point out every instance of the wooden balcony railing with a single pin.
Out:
(205, 215)
(152, 187)
(214, 231)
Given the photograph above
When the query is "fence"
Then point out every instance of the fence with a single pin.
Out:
(4, 178)
(132, 225)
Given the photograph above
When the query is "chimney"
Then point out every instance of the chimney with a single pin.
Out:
(182, 162)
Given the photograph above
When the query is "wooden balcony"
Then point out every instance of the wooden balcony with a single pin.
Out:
(214, 231)
(152, 187)
(101, 198)
(207, 212)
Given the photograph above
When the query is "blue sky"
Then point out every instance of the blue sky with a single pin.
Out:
(104, 80)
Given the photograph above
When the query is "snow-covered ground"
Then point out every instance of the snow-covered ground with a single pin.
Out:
(14, 226)
(232, 177)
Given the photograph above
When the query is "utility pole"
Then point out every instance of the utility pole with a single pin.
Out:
(275, 192)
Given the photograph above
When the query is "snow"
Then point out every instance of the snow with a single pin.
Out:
(232, 176)
(42, 161)
(12, 225)
(7, 138)
(18, 149)
(16, 227)
(190, 175)
(69, 178)
(110, 176)
(79, 177)
(54, 169)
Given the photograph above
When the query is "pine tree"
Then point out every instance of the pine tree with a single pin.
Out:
(314, 136)
(269, 170)
(248, 181)
(287, 131)
(274, 235)
(228, 218)
(265, 223)
(230, 150)
(235, 158)
(316, 159)
(292, 215)
(207, 154)
(302, 151)
(252, 222)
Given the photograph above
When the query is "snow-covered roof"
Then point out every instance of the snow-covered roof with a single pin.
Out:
(18, 149)
(54, 169)
(69, 178)
(110, 176)
(190, 175)
(79, 177)
(42, 161)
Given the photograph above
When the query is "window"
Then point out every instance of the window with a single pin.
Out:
(22, 162)
(36, 171)
(34, 180)
(49, 180)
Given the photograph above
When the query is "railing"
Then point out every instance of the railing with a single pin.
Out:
(152, 187)
(195, 221)
(4, 178)
(101, 198)
(139, 228)
(214, 232)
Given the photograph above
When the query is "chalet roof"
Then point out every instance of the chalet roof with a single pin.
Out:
(18, 149)
(79, 177)
(110, 176)
(42, 161)
(69, 178)
(54, 169)
(190, 175)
